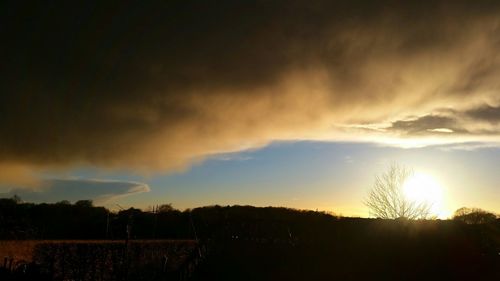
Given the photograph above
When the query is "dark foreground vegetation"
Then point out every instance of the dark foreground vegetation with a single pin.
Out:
(242, 243)
(99, 259)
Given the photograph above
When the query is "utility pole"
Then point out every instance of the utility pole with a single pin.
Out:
(107, 224)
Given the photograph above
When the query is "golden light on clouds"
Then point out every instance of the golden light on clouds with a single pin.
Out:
(404, 73)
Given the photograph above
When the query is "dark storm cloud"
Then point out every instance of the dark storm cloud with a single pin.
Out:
(481, 120)
(485, 113)
(100, 191)
(427, 124)
(159, 85)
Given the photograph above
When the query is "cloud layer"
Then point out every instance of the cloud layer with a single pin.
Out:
(100, 191)
(158, 87)
(483, 120)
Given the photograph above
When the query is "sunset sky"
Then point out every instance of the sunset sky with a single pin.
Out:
(267, 103)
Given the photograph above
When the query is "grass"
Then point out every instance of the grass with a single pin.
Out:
(102, 259)
(23, 250)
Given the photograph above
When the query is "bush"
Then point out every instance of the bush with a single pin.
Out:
(474, 216)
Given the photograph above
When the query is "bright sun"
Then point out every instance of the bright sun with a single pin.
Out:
(422, 188)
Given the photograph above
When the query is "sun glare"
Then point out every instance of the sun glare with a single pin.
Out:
(423, 188)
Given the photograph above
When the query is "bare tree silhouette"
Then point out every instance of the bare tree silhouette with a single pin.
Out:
(386, 199)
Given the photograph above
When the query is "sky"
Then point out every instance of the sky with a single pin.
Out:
(296, 104)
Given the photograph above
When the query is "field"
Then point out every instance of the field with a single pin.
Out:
(100, 259)
(19, 250)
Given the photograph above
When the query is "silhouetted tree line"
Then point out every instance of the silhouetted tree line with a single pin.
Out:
(82, 220)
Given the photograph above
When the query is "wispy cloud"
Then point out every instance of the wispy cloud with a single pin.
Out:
(233, 157)
(468, 146)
